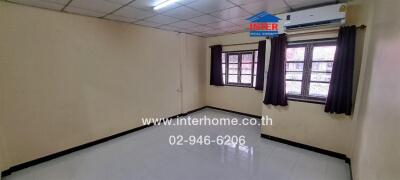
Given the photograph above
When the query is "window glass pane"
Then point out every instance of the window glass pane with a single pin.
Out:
(319, 89)
(233, 58)
(293, 87)
(322, 66)
(255, 68)
(254, 81)
(246, 68)
(232, 78)
(223, 78)
(295, 54)
(294, 75)
(247, 58)
(324, 53)
(223, 57)
(321, 77)
(233, 68)
(294, 66)
(246, 79)
(255, 56)
(223, 68)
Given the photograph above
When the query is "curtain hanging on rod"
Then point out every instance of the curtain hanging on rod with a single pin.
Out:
(216, 66)
(341, 86)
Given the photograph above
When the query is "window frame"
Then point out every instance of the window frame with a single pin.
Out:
(240, 53)
(307, 69)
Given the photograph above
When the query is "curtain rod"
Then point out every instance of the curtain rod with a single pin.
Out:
(248, 43)
(238, 44)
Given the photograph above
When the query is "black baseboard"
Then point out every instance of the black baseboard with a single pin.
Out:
(192, 111)
(68, 151)
(96, 142)
(83, 146)
(241, 113)
(308, 147)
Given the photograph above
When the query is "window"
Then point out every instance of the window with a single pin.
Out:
(309, 69)
(239, 68)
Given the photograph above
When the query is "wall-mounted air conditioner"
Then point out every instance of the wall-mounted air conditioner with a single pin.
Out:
(326, 16)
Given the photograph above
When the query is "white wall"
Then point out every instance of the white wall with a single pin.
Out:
(66, 80)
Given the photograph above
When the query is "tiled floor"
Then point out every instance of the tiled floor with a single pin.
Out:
(146, 154)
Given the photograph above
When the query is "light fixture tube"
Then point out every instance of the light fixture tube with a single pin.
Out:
(164, 4)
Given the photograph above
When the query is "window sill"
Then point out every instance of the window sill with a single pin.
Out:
(312, 101)
(242, 86)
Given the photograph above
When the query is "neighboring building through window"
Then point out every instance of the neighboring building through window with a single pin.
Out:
(309, 69)
(239, 68)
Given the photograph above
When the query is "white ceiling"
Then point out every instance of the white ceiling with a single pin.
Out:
(198, 17)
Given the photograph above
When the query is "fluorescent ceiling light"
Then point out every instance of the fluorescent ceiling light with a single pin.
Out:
(164, 4)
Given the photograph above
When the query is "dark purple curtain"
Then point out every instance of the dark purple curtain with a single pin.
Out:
(341, 87)
(275, 92)
(260, 66)
(216, 66)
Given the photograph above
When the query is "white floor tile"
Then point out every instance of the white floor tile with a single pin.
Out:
(146, 154)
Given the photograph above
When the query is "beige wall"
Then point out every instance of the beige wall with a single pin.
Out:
(377, 151)
(308, 123)
(296, 122)
(2, 163)
(246, 100)
(301, 122)
(66, 80)
(193, 67)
